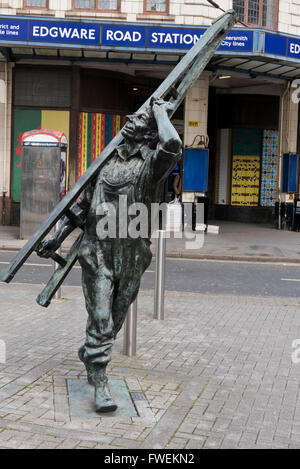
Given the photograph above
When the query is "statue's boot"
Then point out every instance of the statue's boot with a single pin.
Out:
(103, 400)
(96, 375)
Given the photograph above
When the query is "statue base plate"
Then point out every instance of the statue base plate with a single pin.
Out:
(81, 400)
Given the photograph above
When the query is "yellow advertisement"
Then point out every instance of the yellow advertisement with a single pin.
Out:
(245, 180)
(57, 120)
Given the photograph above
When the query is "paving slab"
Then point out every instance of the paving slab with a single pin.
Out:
(218, 372)
(81, 399)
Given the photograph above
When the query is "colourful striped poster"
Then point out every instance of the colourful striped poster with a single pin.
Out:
(95, 131)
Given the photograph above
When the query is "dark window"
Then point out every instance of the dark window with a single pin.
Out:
(97, 4)
(42, 88)
(257, 12)
(36, 3)
(247, 111)
(159, 6)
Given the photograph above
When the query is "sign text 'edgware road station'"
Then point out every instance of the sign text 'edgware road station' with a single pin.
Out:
(59, 32)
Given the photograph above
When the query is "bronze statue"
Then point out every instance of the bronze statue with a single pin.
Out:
(137, 160)
(112, 267)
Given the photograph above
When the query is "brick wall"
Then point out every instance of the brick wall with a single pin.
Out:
(289, 16)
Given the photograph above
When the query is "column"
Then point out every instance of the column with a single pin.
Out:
(289, 121)
(288, 127)
(5, 138)
(195, 118)
(196, 109)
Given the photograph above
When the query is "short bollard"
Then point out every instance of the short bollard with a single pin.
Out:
(129, 339)
(159, 289)
(56, 265)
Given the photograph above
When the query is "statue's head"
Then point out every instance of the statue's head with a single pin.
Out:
(140, 127)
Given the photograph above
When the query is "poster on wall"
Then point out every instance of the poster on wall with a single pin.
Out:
(245, 180)
(96, 130)
(30, 119)
(246, 154)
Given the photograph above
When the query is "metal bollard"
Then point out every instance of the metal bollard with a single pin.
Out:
(56, 265)
(159, 290)
(129, 339)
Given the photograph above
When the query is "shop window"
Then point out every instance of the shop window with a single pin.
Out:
(36, 3)
(106, 5)
(42, 88)
(261, 13)
(156, 6)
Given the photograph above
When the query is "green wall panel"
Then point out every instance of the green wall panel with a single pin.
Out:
(247, 142)
(24, 120)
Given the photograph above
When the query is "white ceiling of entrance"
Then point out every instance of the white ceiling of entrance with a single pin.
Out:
(244, 71)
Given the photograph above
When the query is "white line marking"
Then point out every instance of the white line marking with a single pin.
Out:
(31, 265)
(28, 264)
(229, 261)
(291, 279)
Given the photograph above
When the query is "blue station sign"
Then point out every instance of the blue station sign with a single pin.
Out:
(169, 38)
(13, 30)
(185, 38)
(114, 35)
(294, 48)
(286, 46)
(62, 32)
(123, 36)
(31, 31)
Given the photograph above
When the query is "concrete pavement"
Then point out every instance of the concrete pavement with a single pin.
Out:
(216, 373)
(236, 241)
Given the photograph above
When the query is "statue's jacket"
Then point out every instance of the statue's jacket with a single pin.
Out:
(135, 178)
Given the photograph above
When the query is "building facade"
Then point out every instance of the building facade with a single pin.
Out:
(79, 66)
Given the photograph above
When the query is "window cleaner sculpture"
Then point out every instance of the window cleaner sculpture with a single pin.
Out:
(139, 158)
